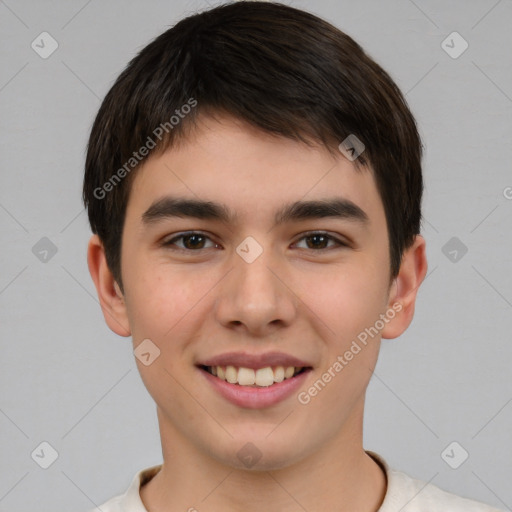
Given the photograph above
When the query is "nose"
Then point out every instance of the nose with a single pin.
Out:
(256, 298)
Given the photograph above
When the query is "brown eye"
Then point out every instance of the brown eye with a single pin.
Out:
(190, 241)
(320, 241)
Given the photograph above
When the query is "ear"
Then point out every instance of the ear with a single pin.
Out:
(109, 294)
(403, 291)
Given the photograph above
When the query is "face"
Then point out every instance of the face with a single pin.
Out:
(255, 277)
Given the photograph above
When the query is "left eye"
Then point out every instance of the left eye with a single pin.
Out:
(320, 239)
(195, 241)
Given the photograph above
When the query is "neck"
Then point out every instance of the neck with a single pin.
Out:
(339, 476)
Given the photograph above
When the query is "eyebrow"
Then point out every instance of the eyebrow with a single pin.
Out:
(170, 207)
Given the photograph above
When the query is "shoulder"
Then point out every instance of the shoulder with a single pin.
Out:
(130, 501)
(418, 496)
(407, 494)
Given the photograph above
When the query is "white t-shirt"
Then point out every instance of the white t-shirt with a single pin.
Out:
(403, 494)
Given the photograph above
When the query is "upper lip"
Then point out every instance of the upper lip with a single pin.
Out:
(254, 361)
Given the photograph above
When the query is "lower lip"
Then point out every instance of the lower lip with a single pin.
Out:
(256, 398)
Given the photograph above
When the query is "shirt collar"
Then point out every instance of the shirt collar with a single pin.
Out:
(132, 501)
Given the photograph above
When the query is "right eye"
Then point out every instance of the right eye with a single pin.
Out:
(192, 241)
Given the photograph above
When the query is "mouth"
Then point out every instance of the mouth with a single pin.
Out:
(255, 381)
(254, 377)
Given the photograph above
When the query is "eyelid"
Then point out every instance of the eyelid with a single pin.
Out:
(339, 242)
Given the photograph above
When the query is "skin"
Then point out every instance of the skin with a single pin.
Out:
(295, 298)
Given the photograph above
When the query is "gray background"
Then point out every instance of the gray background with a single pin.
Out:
(66, 379)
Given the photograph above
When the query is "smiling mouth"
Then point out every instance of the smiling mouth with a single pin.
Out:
(261, 377)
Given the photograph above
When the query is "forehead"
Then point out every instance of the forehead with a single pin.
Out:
(249, 172)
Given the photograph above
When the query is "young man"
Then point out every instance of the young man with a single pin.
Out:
(253, 181)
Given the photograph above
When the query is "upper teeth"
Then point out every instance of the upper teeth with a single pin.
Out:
(249, 377)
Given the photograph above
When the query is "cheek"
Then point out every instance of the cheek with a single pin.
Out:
(165, 301)
(348, 301)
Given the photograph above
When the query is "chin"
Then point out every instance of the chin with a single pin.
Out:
(259, 453)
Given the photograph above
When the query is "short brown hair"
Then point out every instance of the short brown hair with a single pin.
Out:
(278, 68)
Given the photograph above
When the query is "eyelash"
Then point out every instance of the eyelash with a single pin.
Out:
(169, 243)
